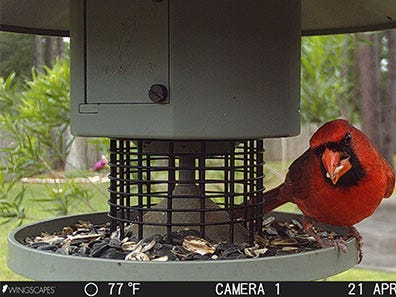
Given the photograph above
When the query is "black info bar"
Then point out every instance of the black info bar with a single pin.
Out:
(223, 288)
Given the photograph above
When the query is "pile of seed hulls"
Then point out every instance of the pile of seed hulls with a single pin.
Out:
(88, 240)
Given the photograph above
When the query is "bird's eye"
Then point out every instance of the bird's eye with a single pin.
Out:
(347, 138)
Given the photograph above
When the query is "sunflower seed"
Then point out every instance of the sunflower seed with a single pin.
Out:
(198, 245)
(137, 256)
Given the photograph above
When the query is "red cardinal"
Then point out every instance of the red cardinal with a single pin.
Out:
(340, 180)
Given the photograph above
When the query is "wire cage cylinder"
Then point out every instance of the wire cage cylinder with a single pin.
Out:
(158, 187)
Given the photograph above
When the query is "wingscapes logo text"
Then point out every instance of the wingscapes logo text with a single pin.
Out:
(28, 290)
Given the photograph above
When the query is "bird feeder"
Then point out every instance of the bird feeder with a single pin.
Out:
(186, 91)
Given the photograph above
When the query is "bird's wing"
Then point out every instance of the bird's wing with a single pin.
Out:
(300, 174)
(296, 183)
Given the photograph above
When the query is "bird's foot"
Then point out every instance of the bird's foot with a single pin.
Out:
(340, 244)
(353, 232)
(337, 243)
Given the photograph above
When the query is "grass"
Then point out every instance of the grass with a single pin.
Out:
(36, 211)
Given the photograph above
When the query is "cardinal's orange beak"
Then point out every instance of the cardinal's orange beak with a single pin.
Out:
(336, 164)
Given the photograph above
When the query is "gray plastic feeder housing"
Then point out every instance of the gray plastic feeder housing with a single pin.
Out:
(185, 69)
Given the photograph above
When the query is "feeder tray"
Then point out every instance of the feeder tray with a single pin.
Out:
(41, 265)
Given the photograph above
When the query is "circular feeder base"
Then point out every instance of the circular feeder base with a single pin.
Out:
(39, 265)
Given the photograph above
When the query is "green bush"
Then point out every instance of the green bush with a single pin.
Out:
(34, 119)
(327, 80)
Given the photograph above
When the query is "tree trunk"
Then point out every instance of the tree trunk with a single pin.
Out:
(347, 75)
(46, 49)
(49, 51)
(367, 59)
(77, 157)
(60, 47)
(57, 154)
(389, 132)
(82, 154)
(38, 55)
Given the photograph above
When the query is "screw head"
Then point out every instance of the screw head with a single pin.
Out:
(158, 93)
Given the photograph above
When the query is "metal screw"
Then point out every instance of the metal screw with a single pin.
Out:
(158, 93)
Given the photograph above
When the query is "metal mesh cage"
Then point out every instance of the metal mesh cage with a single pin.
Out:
(161, 186)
